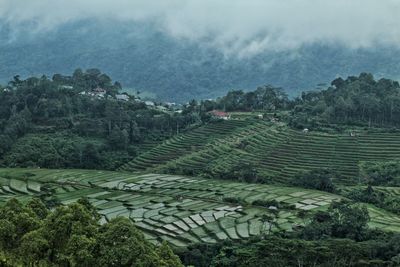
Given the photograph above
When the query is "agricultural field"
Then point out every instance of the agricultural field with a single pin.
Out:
(277, 151)
(181, 210)
(184, 144)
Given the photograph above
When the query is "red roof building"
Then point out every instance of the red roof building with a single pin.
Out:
(220, 114)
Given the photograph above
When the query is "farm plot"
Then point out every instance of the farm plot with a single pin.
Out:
(180, 210)
(276, 151)
(183, 144)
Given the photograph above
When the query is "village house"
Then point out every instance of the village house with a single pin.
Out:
(67, 87)
(99, 92)
(161, 108)
(220, 114)
(122, 97)
(149, 103)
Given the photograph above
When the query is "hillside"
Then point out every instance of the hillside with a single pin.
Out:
(144, 58)
(275, 150)
(180, 210)
(235, 174)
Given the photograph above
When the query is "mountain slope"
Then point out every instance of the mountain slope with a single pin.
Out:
(144, 58)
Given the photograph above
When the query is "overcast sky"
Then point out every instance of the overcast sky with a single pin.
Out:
(242, 27)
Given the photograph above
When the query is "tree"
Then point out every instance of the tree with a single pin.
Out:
(349, 220)
(121, 244)
(167, 256)
(118, 138)
(320, 179)
(381, 172)
(71, 236)
(38, 207)
(90, 156)
(344, 219)
(34, 248)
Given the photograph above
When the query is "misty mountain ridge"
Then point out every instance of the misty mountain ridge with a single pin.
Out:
(142, 57)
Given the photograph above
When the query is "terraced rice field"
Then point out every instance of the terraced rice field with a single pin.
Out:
(184, 144)
(180, 210)
(277, 151)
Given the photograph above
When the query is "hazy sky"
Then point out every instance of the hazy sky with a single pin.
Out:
(241, 27)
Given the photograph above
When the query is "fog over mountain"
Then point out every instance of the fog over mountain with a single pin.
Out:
(184, 49)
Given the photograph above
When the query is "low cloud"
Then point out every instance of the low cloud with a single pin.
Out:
(236, 27)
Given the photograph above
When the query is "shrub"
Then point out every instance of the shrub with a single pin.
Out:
(320, 179)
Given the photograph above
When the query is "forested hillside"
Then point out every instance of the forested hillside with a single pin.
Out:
(78, 121)
(144, 58)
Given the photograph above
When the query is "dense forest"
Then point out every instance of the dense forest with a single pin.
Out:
(356, 100)
(77, 122)
(361, 101)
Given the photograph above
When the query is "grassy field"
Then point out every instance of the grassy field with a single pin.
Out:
(180, 210)
(277, 151)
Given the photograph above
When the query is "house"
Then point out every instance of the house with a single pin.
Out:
(305, 130)
(161, 108)
(220, 114)
(122, 97)
(67, 87)
(99, 92)
(170, 104)
(6, 90)
(260, 116)
(149, 103)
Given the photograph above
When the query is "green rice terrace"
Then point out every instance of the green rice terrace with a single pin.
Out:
(178, 209)
(277, 151)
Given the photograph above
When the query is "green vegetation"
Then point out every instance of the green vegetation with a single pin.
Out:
(71, 235)
(274, 251)
(77, 122)
(222, 189)
(181, 210)
(267, 152)
(354, 101)
(320, 179)
(184, 144)
(319, 243)
(384, 197)
(381, 173)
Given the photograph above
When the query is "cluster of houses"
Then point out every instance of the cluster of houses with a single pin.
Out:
(97, 92)
(102, 93)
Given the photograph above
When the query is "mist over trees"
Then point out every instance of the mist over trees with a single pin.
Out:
(176, 69)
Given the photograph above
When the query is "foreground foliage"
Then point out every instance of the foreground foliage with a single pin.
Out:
(70, 235)
(282, 252)
(340, 237)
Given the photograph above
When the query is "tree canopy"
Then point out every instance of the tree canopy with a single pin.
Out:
(30, 234)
